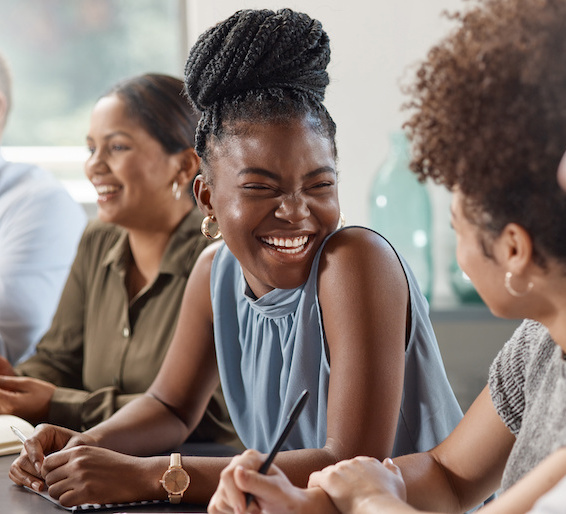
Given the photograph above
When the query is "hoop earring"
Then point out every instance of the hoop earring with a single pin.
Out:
(342, 221)
(204, 228)
(176, 191)
(512, 291)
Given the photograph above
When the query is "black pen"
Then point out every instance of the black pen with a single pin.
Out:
(291, 419)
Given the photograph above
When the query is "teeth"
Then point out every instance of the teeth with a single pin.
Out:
(288, 244)
(106, 189)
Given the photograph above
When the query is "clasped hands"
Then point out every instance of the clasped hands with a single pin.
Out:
(354, 486)
(74, 469)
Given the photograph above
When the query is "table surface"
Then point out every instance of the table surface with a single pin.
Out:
(17, 500)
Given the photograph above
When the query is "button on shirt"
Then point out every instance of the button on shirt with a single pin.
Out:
(102, 349)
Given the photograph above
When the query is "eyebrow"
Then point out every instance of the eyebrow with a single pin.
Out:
(269, 174)
(111, 135)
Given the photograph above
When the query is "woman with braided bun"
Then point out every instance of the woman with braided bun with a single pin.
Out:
(488, 120)
(285, 302)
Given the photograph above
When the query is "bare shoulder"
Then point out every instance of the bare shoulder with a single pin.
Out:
(203, 264)
(359, 250)
(197, 290)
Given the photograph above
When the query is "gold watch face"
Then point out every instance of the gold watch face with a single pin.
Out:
(175, 481)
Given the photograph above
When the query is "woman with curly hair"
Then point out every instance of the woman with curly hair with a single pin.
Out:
(488, 121)
(286, 302)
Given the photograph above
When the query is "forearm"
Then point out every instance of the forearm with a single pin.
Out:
(204, 473)
(81, 410)
(299, 464)
(46, 364)
(466, 468)
(383, 505)
(428, 484)
(143, 427)
(523, 495)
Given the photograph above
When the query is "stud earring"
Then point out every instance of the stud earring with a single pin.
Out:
(176, 191)
(204, 228)
(512, 291)
(342, 221)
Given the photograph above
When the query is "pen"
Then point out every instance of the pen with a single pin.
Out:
(18, 433)
(291, 419)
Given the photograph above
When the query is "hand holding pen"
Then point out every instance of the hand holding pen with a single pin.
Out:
(291, 420)
(245, 470)
(26, 470)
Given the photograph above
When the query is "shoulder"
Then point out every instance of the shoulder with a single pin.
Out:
(41, 184)
(206, 258)
(361, 250)
(359, 266)
(98, 231)
(530, 340)
(98, 238)
(523, 356)
(35, 189)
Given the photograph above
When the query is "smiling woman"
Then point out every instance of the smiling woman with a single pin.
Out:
(137, 193)
(119, 308)
(279, 181)
(285, 303)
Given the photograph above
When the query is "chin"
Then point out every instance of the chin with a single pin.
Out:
(106, 217)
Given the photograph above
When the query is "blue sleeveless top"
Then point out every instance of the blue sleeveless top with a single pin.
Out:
(272, 348)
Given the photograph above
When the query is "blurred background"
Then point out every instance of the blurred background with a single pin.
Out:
(64, 54)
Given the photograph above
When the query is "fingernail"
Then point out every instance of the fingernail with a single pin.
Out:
(36, 486)
(38, 467)
(388, 461)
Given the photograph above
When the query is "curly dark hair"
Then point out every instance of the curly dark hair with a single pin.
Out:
(488, 116)
(259, 66)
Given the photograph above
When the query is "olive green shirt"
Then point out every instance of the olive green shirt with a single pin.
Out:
(103, 350)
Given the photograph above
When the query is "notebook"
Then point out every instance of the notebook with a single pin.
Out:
(9, 443)
(94, 506)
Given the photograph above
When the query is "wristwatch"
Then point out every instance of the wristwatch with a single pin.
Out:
(175, 480)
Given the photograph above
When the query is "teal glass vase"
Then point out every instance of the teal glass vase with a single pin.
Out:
(400, 210)
(462, 286)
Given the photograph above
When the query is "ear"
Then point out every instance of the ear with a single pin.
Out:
(189, 164)
(515, 249)
(202, 193)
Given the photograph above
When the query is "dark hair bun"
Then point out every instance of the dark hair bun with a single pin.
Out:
(258, 49)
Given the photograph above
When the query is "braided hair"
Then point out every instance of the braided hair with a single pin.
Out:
(259, 66)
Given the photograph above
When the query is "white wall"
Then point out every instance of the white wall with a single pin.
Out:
(373, 42)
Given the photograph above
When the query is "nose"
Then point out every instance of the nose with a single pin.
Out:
(95, 164)
(293, 208)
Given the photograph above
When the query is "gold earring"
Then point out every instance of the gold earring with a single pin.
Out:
(512, 291)
(342, 221)
(204, 228)
(176, 191)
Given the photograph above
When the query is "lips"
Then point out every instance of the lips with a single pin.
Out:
(288, 245)
(106, 191)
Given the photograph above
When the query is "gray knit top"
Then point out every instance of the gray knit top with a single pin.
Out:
(527, 381)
